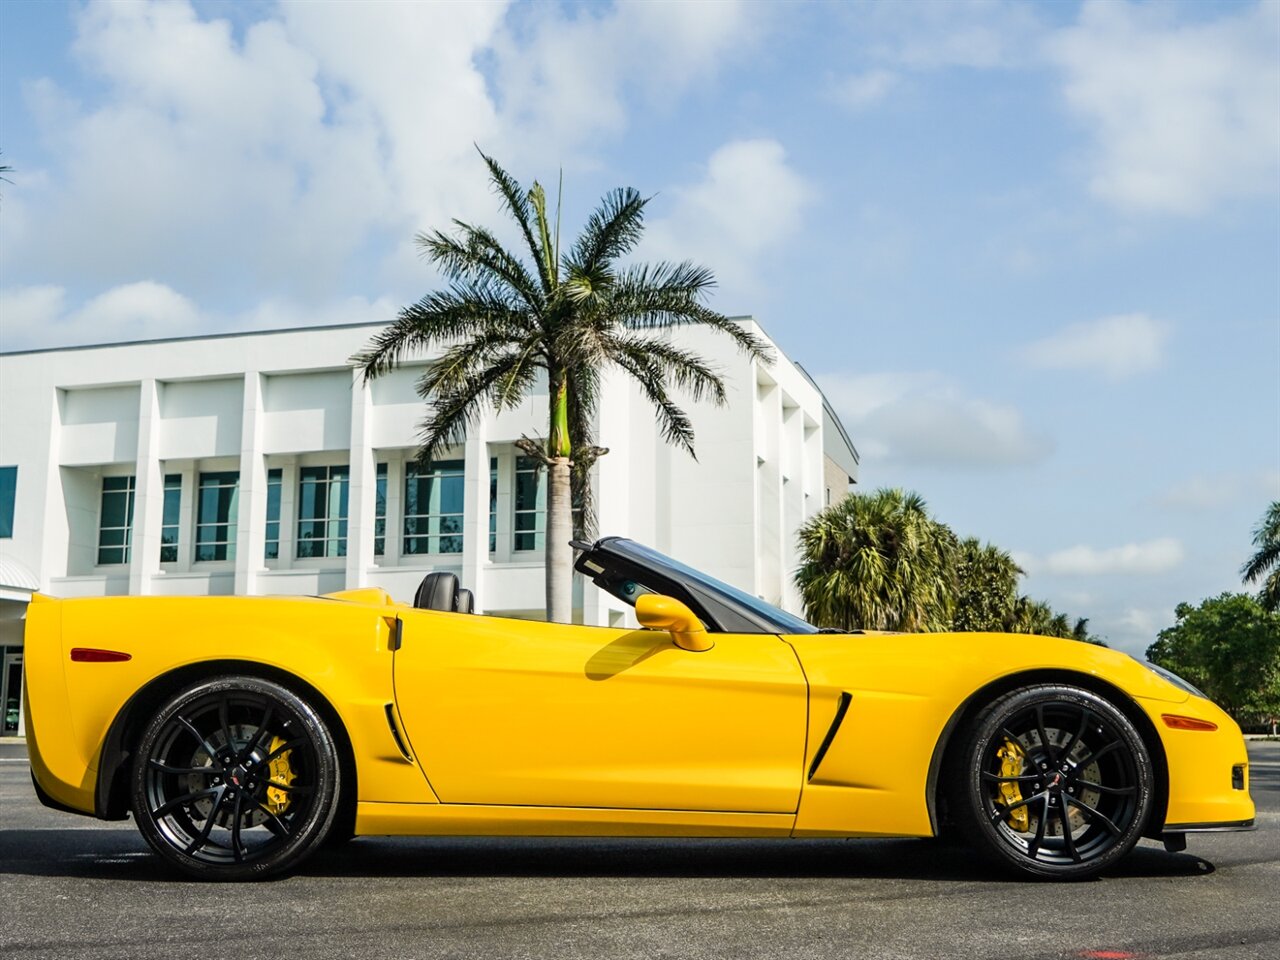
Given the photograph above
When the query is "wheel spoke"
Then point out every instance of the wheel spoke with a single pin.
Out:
(1100, 752)
(1103, 788)
(1085, 716)
(171, 805)
(1066, 833)
(274, 823)
(225, 723)
(1012, 737)
(258, 738)
(208, 747)
(201, 840)
(1095, 814)
(235, 828)
(1033, 848)
(1045, 743)
(1022, 778)
(1002, 811)
(181, 771)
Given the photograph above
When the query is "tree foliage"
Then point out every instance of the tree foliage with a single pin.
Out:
(1229, 647)
(880, 561)
(1264, 565)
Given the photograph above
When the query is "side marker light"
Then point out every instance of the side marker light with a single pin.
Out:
(1175, 722)
(92, 655)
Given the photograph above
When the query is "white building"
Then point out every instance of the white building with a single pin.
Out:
(259, 463)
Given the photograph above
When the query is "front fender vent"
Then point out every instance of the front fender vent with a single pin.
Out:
(396, 735)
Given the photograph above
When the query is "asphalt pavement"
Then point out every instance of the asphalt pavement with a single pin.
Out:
(72, 887)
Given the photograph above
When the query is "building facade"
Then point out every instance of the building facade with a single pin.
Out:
(261, 463)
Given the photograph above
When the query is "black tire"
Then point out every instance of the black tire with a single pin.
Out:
(235, 778)
(1055, 782)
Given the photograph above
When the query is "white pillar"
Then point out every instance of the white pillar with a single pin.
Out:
(475, 511)
(362, 495)
(148, 493)
(251, 512)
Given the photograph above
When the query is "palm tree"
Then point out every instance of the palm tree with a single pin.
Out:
(877, 561)
(502, 320)
(986, 586)
(1266, 537)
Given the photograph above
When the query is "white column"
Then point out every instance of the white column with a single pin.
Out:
(475, 511)
(148, 496)
(251, 511)
(362, 495)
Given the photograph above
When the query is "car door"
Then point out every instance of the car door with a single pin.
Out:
(505, 711)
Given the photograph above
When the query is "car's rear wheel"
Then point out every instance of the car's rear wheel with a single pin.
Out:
(1057, 782)
(235, 778)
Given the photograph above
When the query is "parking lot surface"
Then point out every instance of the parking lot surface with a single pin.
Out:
(74, 887)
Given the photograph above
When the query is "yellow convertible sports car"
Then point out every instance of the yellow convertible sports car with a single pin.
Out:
(244, 732)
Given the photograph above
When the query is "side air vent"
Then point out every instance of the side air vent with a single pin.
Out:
(395, 732)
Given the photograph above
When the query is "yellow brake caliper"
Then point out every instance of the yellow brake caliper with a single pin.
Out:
(1012, 758)
(280, 772)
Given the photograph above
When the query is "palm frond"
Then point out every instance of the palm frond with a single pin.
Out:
(451, 413)
(517, 204)
(478, 254)
(682, 368)
(612, 230)
(672, 421)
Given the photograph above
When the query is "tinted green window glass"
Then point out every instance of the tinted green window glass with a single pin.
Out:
(275, 482)
(433, 508)
(115, 520)
(217, 509)
(322, 511)
(8, 497)
(172, 518)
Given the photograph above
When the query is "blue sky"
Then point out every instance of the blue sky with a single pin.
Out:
(1031, 251)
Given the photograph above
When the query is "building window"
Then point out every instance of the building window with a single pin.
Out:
(493, 504)
(380, 513)
(322, 511)
(433, 498)
(531, 504)
(116, 520)
(275, 483)
(8, 495)
(217, 507)
(172, 518)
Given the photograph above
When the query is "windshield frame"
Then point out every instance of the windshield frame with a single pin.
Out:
(611, 561)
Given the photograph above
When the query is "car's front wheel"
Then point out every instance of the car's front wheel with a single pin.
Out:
(1057, 782)
(235, 778)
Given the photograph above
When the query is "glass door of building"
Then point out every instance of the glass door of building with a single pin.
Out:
(11, 694)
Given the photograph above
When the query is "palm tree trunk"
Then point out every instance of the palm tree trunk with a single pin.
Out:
(559, 555)
(559, 533)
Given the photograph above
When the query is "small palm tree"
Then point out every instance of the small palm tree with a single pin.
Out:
(503, 320)
(1266, 537)
(986, 586)
(877, 561)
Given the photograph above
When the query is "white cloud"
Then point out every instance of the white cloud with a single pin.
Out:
(1184, 114)
(926, 419)
(36, 317)
(749, 202)
(1208, 491)
(862, 90)
(1118, 346)
(937, 34)
(295, 157)
(1152, 556)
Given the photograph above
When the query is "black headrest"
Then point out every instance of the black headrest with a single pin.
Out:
(438, 591)
(466, 601)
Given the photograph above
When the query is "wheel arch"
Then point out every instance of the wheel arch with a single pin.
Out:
(111, 796)
(946, 751)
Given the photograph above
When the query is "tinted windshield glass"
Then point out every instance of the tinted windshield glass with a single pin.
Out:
(786, 622)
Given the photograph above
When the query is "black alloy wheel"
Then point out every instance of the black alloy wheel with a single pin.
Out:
(235, 778)
(1057, 782)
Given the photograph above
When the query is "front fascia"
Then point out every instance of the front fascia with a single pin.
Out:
(903, 689)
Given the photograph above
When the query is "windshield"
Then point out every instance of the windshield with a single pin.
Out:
(721, 606)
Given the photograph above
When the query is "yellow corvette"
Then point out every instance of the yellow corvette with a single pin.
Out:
(244, 732)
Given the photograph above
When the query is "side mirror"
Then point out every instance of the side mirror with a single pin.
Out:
(667, 613)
